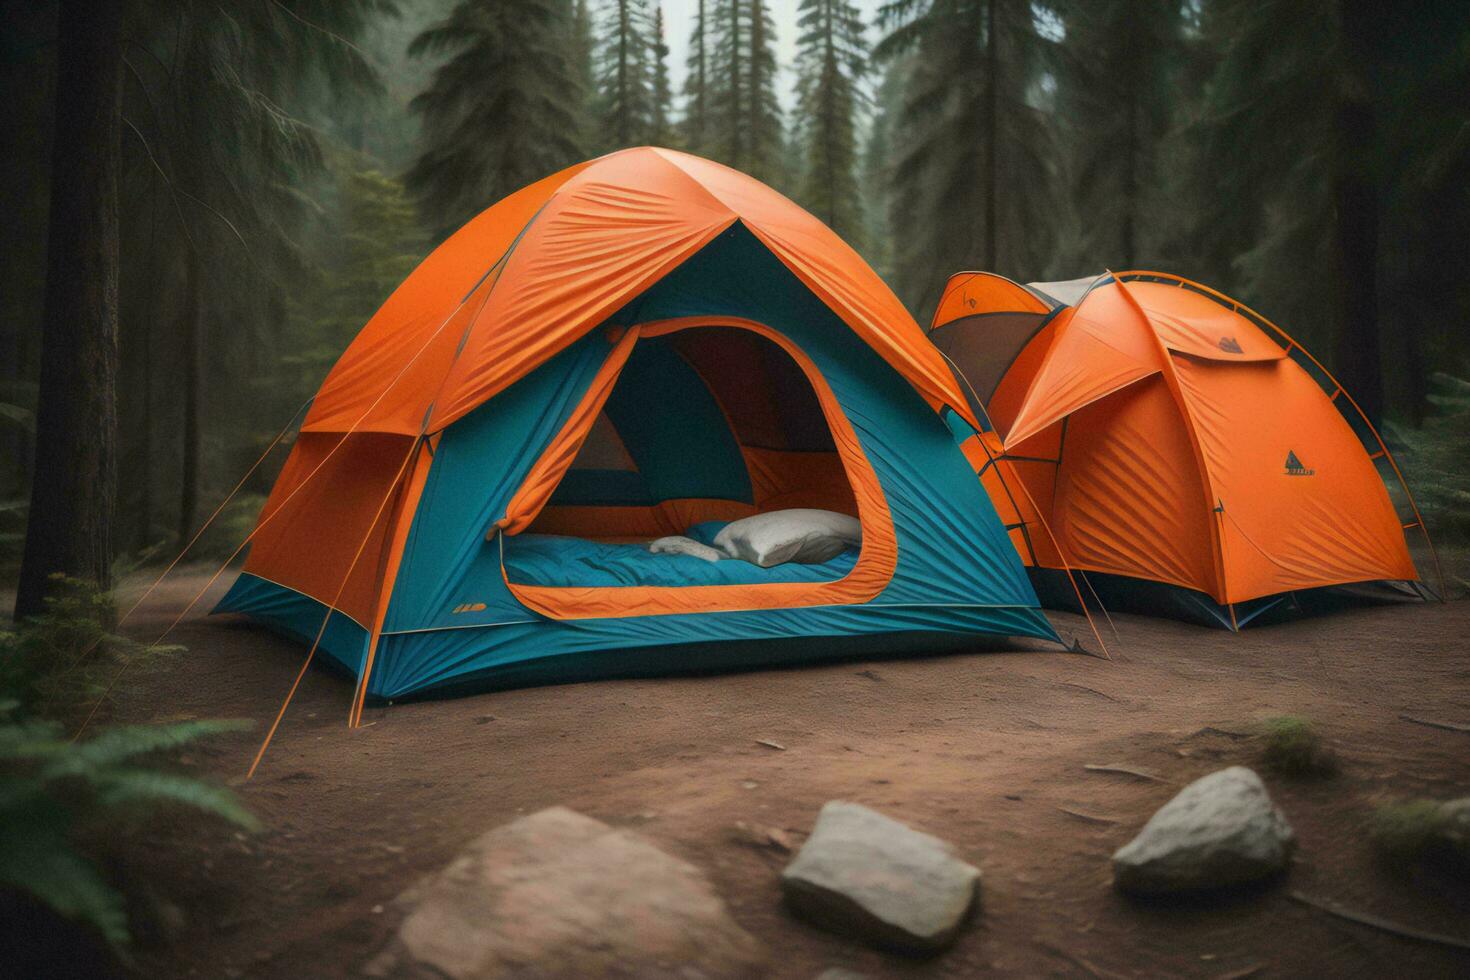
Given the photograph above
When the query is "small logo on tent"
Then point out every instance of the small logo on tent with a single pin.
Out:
(1294, 466)
(1230, 345)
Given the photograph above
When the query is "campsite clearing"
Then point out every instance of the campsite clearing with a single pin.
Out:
(986, 750)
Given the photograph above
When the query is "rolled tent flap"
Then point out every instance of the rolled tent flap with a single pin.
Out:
(554, 462)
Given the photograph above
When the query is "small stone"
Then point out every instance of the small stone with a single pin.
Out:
(1219, 830)
(771, 837)
(558, 894)
(869, 876)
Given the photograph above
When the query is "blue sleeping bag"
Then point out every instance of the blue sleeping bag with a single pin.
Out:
(556, 561)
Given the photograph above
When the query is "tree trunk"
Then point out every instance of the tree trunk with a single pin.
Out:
(193, 378)
(1416, 370)
(992, 138)
(1128, 232)
(75, 474)
(1355, 200)
(144, 534)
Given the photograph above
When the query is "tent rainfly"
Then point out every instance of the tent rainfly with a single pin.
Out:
(1174, 446)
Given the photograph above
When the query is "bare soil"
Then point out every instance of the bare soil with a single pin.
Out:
(988, 750)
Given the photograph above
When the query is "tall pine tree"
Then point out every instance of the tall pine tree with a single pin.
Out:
(71, 512)
(662, 130)
(745, 129)
(1115, 97)
(974, 168)
(625, 102)
(697, 125)
(583, 54)
(503, 111)
(218, 174)
(831, 62)
(1286, 192)
(762, 106)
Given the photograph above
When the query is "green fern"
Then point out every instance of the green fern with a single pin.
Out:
(66, 657)
(50, 784)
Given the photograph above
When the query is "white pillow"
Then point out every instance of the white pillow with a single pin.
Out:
(677, 544)
(801, 535)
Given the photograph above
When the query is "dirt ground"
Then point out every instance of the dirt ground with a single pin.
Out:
(986, 750)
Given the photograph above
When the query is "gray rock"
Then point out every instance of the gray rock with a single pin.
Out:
(865, 875)
(558, 894)
(1220, 830)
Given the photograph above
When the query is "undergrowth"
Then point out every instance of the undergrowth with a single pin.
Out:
(64, 660)
(1407, 831)
(52, 785)
(1290, 746)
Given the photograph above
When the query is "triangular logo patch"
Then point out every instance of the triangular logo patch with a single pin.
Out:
(1230, 345)
(1294, 466)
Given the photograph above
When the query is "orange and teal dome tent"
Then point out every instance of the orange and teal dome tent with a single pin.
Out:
(646, 344)
(1175, 447)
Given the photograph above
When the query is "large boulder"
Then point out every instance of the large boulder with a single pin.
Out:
(870, 877)
(1220, 830)
(558, 894)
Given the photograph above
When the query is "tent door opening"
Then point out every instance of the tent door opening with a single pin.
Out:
(700, 426)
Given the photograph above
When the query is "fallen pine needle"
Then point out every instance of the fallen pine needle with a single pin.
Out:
(1089, 817)
(1449, 726)
(1363, 918)
(770, 745)
(1122, 770)
(1090, 690)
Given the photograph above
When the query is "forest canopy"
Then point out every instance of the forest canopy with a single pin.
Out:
(282, 165)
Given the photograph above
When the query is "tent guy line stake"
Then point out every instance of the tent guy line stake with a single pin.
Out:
(268, 517)
(332, 607)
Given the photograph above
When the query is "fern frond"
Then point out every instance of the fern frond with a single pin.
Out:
(126, 742)
(127, 787)
(36, 857)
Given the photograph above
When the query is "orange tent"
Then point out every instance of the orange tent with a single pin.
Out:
(637, 347)
(1173, 444)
